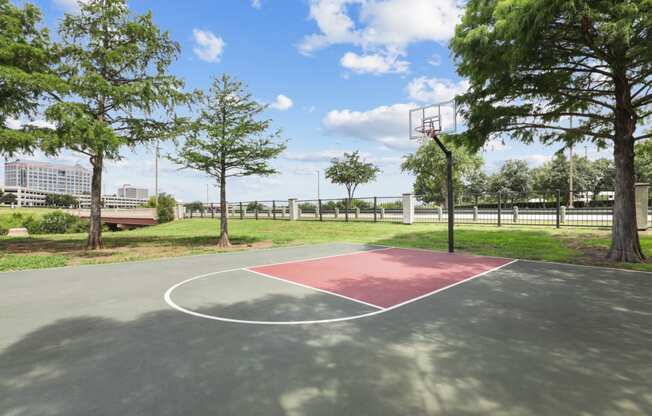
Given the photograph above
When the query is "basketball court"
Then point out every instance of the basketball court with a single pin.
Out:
(328, 329)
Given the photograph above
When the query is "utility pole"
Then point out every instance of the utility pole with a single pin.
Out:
(571, 172)
(156, 157)
(318, 192)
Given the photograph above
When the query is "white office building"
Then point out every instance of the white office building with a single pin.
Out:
(128, 191)
(48, 177)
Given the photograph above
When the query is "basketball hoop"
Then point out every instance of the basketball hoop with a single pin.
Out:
(429, 127)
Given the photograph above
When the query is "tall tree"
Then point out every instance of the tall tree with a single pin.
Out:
(25, 76)
(115, 64)
(228, 140)
(513, 180)
(351, 171)
(553, 176)
(428, 164)
(532, 65)
(643, 151)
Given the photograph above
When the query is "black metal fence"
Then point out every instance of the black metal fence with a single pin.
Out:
(541, 208)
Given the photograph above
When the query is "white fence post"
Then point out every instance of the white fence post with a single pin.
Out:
(337, 212)
(294, 209)
(357, 212)
(515, 214)
(408, 208)
(382, 213)
(475, 214)
(562, 214)
(440, 213)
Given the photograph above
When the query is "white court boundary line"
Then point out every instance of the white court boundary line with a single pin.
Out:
(168, 295)
(269, 276)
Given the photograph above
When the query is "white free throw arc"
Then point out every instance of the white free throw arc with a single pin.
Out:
(168, 299)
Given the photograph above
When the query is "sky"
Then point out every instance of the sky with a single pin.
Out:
(338, 76)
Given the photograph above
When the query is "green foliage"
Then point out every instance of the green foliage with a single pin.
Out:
(643, 161)
(58, 222)
(254, 205)
(196, 206)
(428, 164)
(307, 206)
(9, 199)
(533, 64)
(229, 140)
(151, 202)
(54, 222)
(25, 58)
(165, 208)
(351, 171)
(61, 201)
(512, 181)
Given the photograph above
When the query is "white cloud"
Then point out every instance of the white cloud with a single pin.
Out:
(69, 5)
(435, 90)
(496, 145)
(282, 103)
(255, 4)
(535, 160)
(373, 63)
(435, 60)
(387, 125)
(209, 47)
(15, 124)
(317, 156)
(390, 25)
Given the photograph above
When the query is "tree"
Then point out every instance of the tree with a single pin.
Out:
(228, 140)
(9, 199)
(115, 65)
(61, 201)
(196, 206)
(351, 171)
(25, 58)
(533, 66)
(428, 164)
(602, 177)
(165, 208)
(512, 181)
(643, 152)
(554, 175)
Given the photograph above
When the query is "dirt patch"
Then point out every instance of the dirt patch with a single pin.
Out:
(144, 252)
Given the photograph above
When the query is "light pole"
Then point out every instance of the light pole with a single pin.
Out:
(318, 191)
(156, 157)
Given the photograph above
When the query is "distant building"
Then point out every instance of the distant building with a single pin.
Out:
(128, 191)
(30, 198)
(48, 177)
(31, 182)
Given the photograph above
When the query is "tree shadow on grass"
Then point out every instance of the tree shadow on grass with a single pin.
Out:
(505, 344)
(112, 241)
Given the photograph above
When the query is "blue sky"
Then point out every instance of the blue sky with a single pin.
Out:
(339, 75)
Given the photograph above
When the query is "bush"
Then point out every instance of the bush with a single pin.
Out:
(165, 208)
(58, 222)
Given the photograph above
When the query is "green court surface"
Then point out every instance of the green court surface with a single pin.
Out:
(214, 335)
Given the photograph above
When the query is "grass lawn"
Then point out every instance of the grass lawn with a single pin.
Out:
(199, 236)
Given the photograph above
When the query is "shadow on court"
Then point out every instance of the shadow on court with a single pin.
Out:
(529, 339)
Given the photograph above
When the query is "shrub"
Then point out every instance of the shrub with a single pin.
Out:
(165, 208)
(32, 224)
(58, 222)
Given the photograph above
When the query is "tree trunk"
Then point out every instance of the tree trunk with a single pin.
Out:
(625, 244)
(95, 231)
(224, 220)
